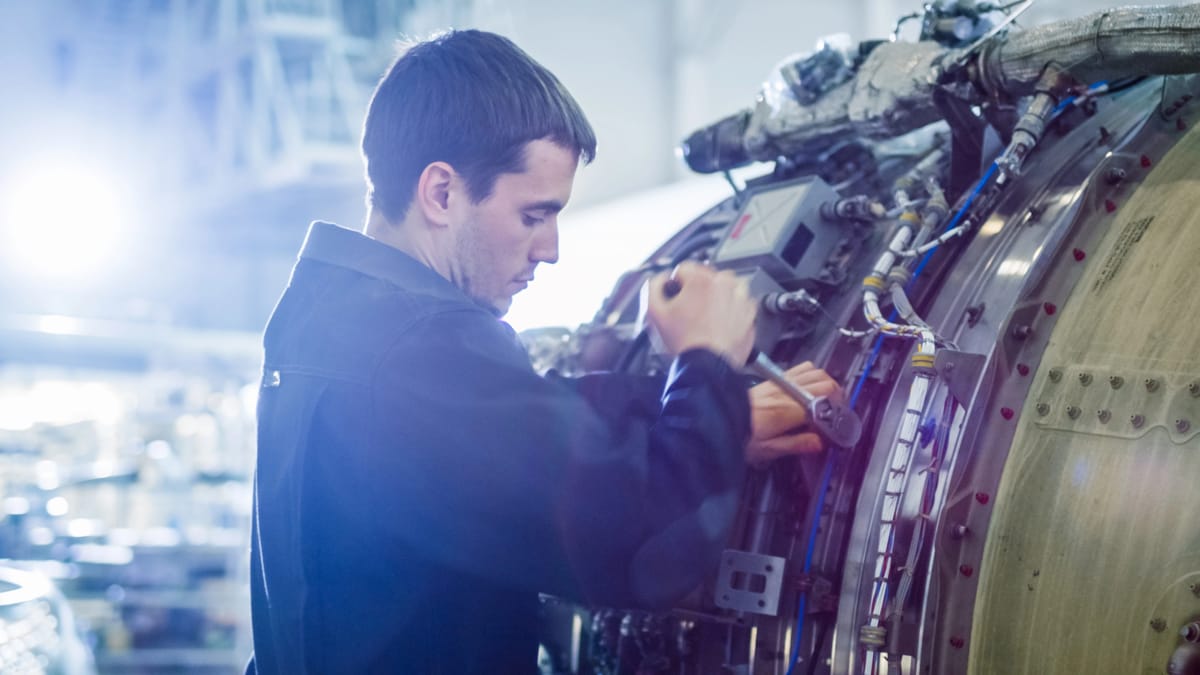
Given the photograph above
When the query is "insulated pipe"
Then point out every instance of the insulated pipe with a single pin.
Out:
(1106, 45)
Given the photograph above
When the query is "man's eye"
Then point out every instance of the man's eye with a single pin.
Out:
(531, 221)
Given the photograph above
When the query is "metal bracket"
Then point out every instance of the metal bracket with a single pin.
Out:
(749, 582)
(960, 370)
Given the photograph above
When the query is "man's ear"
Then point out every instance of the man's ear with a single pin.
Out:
(435, 192)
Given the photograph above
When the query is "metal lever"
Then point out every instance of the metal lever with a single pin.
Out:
(837, 423)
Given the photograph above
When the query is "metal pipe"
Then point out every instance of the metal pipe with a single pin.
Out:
(1106, 45)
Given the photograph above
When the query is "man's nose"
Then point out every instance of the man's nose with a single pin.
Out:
(545, 247)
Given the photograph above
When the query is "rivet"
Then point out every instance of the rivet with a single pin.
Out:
(1022, 369)
(1050, 308)
(1116, 381)
(1079, 254)
(1151, 384)
(1182, 426)
(1055, 374)
(1158, 624)
(957, 642)
(1073, 412)
(966, 570)
(1104, 416)
(1085, 379)
(1043, 409)
(982, 497)
(1007, 413)
(1110, 205)
(1194, 389)
(1146, 161)
(1137, 421)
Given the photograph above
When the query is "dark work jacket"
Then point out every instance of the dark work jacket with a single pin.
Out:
(418, 484)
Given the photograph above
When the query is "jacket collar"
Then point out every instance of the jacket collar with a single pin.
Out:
(342, 247)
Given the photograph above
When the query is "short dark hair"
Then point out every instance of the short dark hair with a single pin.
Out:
(471, 99)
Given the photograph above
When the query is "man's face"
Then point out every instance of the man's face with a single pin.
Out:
(502, 239)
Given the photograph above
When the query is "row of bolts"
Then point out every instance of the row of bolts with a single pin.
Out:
(1073, 412)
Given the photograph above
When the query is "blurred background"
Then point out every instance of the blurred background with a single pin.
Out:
(160, 161)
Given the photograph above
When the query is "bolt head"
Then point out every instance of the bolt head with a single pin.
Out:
(1043, 409)
(1116, 381)
(1103, 416)
(1085, 379)
(1073, 412)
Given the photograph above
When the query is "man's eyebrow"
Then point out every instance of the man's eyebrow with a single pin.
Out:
(549, 206)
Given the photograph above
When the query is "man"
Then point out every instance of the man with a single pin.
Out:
(417, 483)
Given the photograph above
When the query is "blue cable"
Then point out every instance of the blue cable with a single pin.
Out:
(822, 491)
(808, 555)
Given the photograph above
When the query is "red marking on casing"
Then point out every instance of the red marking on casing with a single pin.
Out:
(741, 224)
(1050, 307)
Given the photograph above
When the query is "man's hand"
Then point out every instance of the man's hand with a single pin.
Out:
(776, 419)
(710, 310)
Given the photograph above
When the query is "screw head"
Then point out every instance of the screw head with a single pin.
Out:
(1194, 389)
(1085, 379)
(1104, 416)
(1158, 624)
(1137, 421)
(1055, 374)
(1073, 412)
(1043, 409)
(1182, 425)
(1151, 384)
(1116, 381)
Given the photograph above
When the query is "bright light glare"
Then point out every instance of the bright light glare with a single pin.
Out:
(62, 220)
(57, 402)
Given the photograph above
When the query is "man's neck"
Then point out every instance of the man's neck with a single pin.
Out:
(404, 236)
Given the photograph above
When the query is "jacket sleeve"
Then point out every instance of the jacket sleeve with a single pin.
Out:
(584, 489)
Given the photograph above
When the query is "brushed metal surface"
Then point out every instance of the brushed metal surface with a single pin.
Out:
(1095, 543)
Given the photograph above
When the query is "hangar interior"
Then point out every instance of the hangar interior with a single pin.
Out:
(1014, 181)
